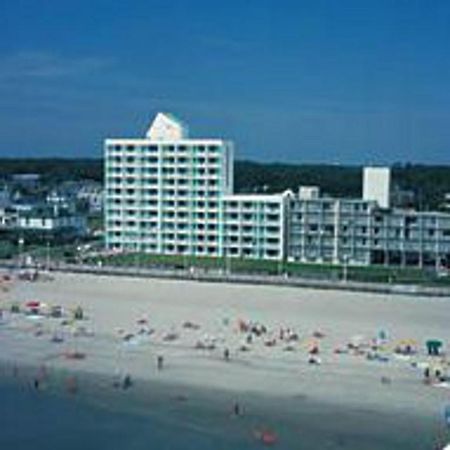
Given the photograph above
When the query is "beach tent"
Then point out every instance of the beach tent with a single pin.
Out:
(433, 346)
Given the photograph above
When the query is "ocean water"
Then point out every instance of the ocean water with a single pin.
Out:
(35, 420)
(43, 420)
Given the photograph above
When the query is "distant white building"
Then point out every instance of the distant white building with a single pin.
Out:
(447, 201)
(61, 199)
(41, 218)
(377, 185)
(93, 195)
(26, 180)
(308, 192)
(52, 221)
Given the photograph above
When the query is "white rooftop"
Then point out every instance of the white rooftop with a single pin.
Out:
(166, 127)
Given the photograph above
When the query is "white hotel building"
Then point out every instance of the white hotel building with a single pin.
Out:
(164, 192)
(171, 195)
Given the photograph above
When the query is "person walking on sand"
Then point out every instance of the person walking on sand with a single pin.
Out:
(226, 354)
(237, 409)
(160, 362)
(427, 375)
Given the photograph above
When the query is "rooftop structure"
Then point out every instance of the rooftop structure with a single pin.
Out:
(377, 185)
(166, 127)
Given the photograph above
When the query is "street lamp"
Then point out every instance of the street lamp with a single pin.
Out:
(228, 263)
(47, 261)
(345, 269)
(137, 260)
(21, 243)
(280, 267)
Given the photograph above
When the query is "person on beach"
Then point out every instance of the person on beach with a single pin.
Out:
(160, 362)
(126, 383)
(236, 409)
(226, 354)
(71, 385)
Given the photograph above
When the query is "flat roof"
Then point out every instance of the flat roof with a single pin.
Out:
(147, 142)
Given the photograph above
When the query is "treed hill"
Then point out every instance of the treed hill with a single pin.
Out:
(429, 183)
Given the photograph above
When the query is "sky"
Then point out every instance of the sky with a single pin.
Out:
(336, 82)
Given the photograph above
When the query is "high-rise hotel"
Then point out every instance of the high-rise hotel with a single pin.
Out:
(164, 193)
(172, 195)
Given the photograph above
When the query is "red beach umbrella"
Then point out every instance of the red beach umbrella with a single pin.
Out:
(33, 304)
(266, 437)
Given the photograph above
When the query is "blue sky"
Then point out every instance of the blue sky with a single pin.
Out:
(348, 81)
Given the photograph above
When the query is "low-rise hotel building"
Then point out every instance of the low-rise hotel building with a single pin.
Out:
(255, 226)
(360, 232)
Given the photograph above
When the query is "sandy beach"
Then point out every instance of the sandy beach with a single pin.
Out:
(307, 356)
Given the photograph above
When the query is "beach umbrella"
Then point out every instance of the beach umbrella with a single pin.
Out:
(382, 335)
(357, 340)
(433, 346)
(266, 436)
(406, 342)
(33, 304)
(311, 343)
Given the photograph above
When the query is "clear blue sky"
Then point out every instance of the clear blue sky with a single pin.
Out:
(349, 81)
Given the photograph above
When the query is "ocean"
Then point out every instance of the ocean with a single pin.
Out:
(35, 420)
(32, 419)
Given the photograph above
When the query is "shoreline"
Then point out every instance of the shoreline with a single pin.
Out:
(209, 411)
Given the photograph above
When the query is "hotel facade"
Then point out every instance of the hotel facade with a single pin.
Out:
(168, 194)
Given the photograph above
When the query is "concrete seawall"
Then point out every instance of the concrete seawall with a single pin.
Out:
(256, 279)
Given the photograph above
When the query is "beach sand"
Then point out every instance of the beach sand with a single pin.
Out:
(341, 403)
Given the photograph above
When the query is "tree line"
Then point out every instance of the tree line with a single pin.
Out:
(428, 183)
